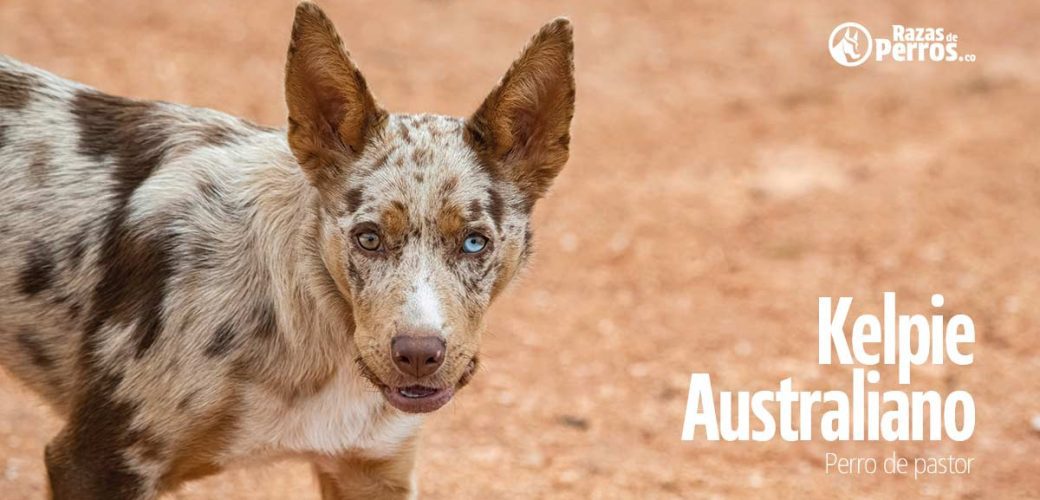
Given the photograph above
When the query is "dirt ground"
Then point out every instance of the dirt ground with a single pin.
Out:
(725, 173)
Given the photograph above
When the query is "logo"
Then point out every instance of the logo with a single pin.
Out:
(850, 44)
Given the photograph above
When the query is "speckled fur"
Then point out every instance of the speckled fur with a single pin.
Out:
(186, 290)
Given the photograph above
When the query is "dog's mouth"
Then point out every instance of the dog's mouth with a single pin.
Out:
(418, 398)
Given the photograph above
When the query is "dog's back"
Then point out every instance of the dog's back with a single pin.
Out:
(106, 201)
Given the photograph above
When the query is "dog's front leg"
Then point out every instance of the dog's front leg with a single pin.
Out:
(97, 455)
(352, 477)
(91, 470)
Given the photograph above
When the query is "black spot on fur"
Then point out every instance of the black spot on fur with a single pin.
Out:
(496, 207)
(30, 343)
(135, 268)
(220, 343)
(353, 200)
(38, 273)
(16, 89)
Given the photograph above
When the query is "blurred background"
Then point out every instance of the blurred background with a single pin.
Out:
(725, 173)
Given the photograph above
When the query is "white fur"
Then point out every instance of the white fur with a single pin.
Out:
(423, 308)
(347, 415)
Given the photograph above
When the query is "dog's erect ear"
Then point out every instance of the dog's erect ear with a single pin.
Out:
(523, 127)
(331, 111)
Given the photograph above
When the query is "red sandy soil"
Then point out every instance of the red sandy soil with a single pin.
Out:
(725, 173)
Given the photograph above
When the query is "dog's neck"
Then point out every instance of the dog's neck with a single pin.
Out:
(316, 324)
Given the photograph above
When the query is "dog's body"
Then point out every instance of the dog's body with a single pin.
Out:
(191, 291)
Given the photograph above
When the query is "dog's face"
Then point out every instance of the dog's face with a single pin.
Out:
(426, 238)
(424, 219)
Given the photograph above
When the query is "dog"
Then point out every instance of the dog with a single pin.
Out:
(190, 291)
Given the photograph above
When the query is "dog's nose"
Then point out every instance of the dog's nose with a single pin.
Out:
(418, 356)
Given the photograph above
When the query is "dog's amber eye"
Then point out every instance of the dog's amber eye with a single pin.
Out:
(369, 241)
(474, 243)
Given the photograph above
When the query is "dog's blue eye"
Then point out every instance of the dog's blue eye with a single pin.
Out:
(474, 243)
(369, 241)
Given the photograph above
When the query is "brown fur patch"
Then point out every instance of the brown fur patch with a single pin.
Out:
(32, 346)
(217, 134)
(450, 222)
(394, 220)
(331, 112)
(448, 188)
(16, 89)
(220, 343)
(353, 200)
(86, 459)
(196, 454)
(521, 131)
(383, 160)
(370, 478)
(406, 136)
(422, 157)
(475, 209)
(496, 207)
(135, 268)
(150, 445)
(185, 403)
(266, 318)
(38, 273)
(77, 247)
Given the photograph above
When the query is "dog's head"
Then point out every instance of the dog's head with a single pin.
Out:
(424, 219)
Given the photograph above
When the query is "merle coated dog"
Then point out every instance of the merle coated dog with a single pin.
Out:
(190, 291)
